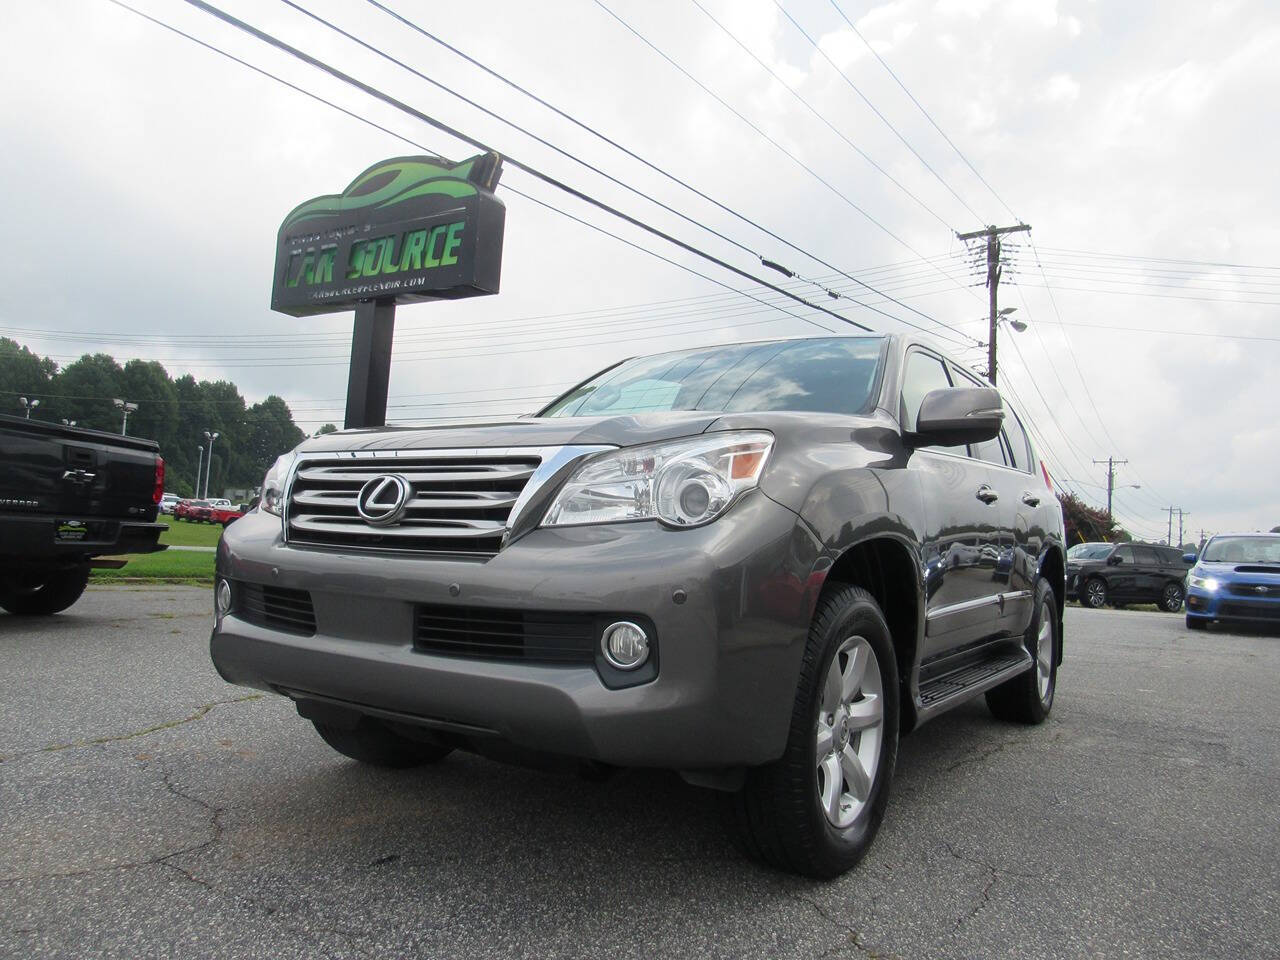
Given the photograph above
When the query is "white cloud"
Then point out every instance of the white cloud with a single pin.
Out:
(1060, 88)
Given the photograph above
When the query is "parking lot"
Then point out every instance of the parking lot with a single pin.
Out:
(150, 810)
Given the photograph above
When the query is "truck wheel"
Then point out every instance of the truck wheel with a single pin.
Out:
(1095, 593)
(816, 810)
(49, 594)
(374, 744)
(1028, 697)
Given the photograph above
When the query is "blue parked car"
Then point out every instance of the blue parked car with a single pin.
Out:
(1236, 578)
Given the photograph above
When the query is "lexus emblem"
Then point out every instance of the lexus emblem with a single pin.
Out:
(383, 500)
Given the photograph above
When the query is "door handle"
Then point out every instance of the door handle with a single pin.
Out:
(987, 495)
(1030, 499)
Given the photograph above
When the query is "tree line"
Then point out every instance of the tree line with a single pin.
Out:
(173, 412)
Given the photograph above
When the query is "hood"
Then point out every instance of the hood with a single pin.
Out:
(1225, 568)
(622, 431)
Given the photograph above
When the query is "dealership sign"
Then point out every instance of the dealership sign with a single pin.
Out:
(406, 230)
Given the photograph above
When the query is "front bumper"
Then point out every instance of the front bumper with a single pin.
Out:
(1224, 604)
(729, 653)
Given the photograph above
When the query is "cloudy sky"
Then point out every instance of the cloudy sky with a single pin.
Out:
(146, 177)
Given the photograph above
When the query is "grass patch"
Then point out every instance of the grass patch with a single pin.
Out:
(187, 533)
(170, 565)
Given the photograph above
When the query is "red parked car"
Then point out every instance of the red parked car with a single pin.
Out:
(190, 509)
(225, 515)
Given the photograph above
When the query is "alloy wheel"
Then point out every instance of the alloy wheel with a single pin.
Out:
(1096, 593)
(850, 730)
(1172, 598)
(1044, 652)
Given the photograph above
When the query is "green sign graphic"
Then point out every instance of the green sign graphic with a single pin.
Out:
(406, 230)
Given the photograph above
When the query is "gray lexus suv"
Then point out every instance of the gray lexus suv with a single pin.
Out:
(755, 564)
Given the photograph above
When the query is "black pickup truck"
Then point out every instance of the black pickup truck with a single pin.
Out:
(67, 497)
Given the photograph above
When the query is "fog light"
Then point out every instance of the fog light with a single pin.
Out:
(223, 598)
(625, 645)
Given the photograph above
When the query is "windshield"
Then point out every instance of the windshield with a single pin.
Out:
(1242, 550)
(830, 375)
(1089, 551)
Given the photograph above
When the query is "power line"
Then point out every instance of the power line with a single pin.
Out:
(921, 108)
(791, 156)
(883, 119)
(652, 166)
(1157, 296)
(578, 327)
(813, 110)
(388, 131)
(534, 172)
(1129, 256)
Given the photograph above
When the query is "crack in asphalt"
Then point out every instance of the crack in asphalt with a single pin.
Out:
(984, 895)
(854, 935)
(980, 757)
(162, 860)
(132, 735)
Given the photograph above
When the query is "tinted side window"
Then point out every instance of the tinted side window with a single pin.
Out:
(1125, 554)
(990, 451)
(1017, 439)
(1146, 556)
(922, 375)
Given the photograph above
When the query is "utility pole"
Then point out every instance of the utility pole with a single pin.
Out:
(994, 270)
(1181, 513)
(1111, 463)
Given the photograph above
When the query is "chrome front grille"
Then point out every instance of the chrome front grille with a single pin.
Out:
(459, 502)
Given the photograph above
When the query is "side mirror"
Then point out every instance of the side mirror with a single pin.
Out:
(956, 415)
(1115, 560)
(1188, 558)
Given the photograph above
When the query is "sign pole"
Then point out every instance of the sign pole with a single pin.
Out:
(370, 374)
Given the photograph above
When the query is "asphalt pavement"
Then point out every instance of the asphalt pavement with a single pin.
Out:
(148, 809)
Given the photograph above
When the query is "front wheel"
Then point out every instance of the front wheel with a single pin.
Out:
(1095, 593)
(48, 594)
(1028, 697)
(1171, 598)
(816, 810)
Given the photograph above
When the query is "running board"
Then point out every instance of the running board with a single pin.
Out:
(942, 692)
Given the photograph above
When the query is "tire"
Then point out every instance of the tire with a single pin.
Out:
(1195, 623)
(1171, 597)
(1028, 697)
(1094, 593)
(374, 744)
(780, 815)
(49, 595)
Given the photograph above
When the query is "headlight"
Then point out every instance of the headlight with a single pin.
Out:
(273, 486)
(1204, 583)
(684, 483)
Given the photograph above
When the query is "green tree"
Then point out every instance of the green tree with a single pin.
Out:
(23, 374)
(84, 390)
(326, 429)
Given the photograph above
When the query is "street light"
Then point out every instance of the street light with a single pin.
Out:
(128, 408)
(199, 468)
(1002, 316)
(28, 405)
(208, 467)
